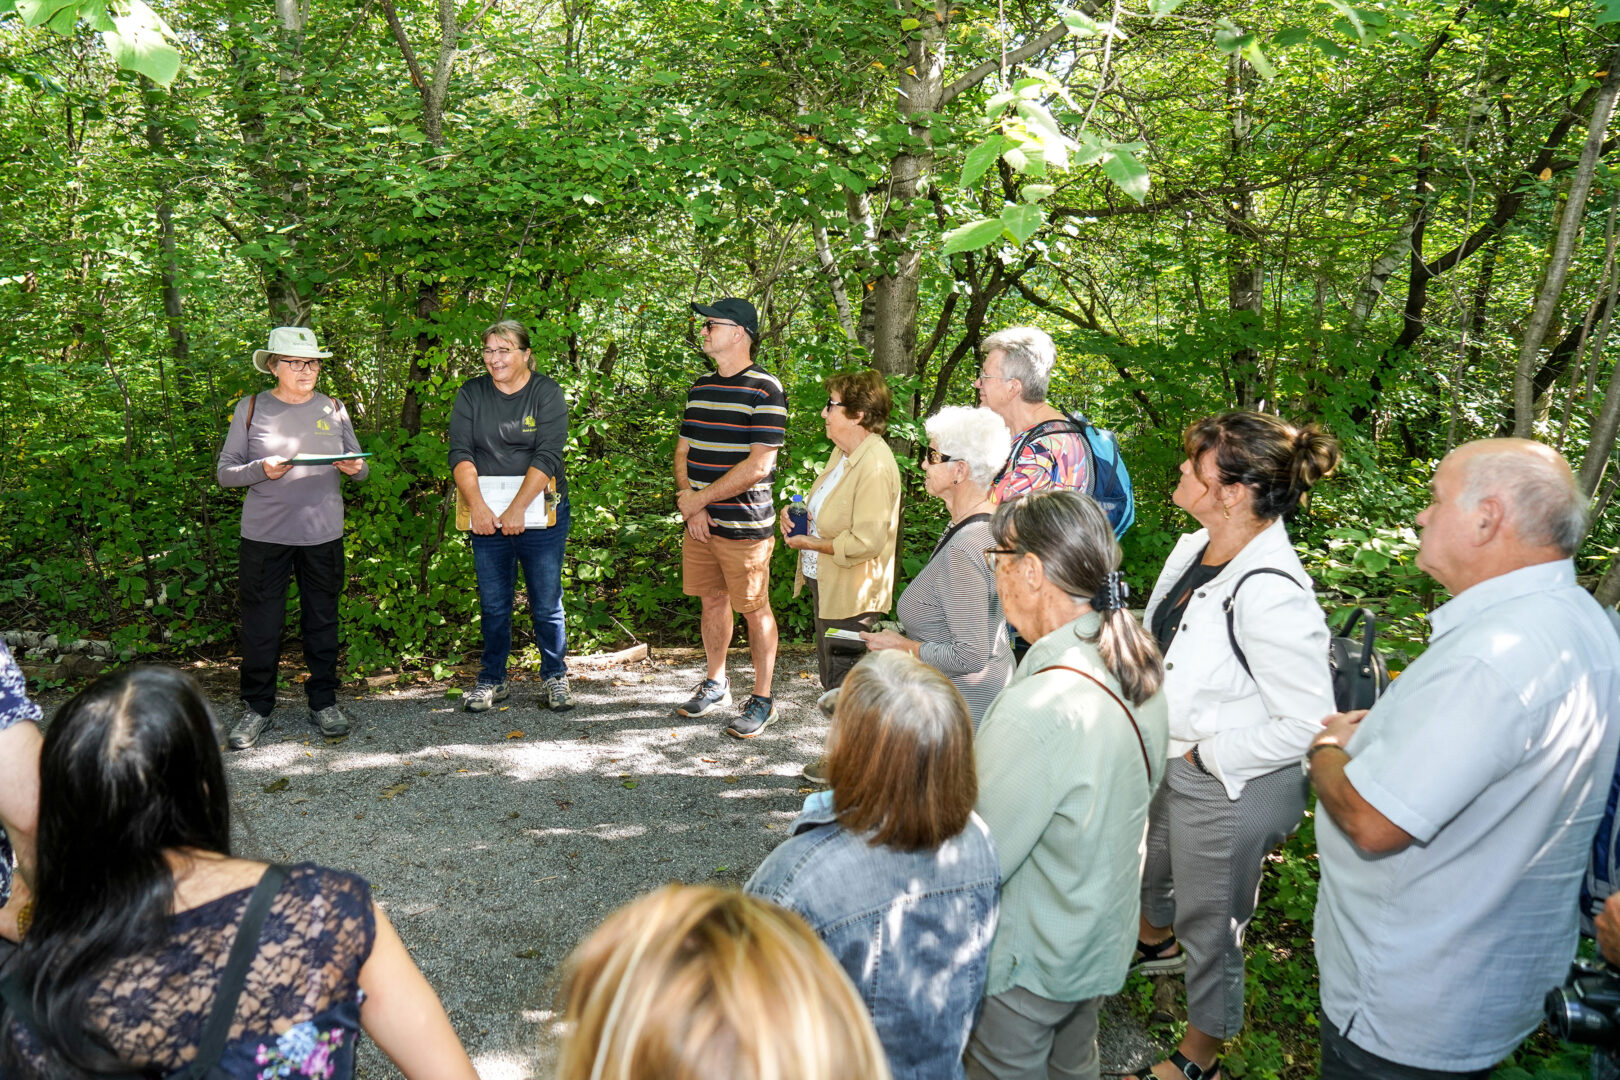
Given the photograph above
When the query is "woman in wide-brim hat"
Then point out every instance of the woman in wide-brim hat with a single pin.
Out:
(292, 525)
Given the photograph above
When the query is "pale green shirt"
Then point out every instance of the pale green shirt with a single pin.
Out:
(1065, 792)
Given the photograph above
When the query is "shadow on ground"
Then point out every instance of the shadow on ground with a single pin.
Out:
(496, 841)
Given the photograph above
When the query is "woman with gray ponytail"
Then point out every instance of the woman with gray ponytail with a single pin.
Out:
(1068, 757)
(1239, 721)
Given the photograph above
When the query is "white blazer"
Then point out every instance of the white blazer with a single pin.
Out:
(1246, 727)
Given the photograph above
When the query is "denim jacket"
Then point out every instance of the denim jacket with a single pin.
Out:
(911, 928)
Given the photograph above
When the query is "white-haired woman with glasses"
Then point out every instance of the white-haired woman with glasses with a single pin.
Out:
(292, 525)
(1048, 451)
(950, 611)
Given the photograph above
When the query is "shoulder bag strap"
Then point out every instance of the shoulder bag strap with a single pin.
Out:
(247, 424)
(1140, 742)
(954, 529)
(218, 1028)
(1039, 431)
(1231, 617)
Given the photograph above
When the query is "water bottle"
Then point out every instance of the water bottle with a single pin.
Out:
(799, 515)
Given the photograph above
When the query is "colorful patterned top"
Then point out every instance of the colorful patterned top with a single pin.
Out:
(299, 1014)
(15, 708)
(1043, 458)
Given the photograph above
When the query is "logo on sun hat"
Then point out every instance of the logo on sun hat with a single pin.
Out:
(289, 341)
(734, 310)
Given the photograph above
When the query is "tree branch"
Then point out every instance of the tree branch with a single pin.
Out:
(1023, 52)
(1093, 325)
(405, 46)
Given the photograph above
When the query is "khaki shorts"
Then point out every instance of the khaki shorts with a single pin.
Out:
(739, 568)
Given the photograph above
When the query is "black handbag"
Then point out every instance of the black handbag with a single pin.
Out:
(216, 1031)
(1359, 672)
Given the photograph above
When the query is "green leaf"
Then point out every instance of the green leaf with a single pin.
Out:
(1023, 221)
(1160, 8)
(973, 236)
(1328, 48)
(38, 12)
(1608, 11)
(1262, 66)
(1294, 35)
(1129, 174)
(1229, 38)
(1351, 16)
(64, 21)
(980, 158)
(997, 102)
(1034, 193)
(140, 43)
(909, 24)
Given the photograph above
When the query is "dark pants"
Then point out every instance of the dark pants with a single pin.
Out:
(1344, 1060)
(262, 580)
(496, 559)
(834, 664)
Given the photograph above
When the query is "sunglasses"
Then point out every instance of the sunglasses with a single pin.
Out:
(831, 404)
(710, 324)
(935, 457)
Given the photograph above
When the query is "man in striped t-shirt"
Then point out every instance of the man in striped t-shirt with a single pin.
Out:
(735, 422)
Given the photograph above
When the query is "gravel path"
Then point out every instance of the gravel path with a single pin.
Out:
(495, 842)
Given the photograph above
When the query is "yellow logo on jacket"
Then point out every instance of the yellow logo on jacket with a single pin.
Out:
(323, 425)
(528, 423)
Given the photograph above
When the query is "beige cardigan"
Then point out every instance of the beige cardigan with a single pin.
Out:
(862, 516)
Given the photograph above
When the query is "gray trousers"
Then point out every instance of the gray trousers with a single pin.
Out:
(1023, 1036)
(1204, 857)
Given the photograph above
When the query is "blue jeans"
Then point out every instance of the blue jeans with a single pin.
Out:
(496, 559)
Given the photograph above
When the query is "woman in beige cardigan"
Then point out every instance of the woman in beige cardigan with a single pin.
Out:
(847, 557)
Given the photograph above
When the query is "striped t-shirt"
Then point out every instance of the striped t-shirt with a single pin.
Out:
(726, 416)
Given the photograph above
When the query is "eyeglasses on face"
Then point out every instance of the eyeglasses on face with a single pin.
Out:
(935, 457)
(490, 354)
(831, 404)
(992, 555)
(710, 324)
(302, 365)
(983, 378)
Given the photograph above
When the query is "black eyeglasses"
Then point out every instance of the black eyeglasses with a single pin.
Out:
(710, 324)
(992, 554)
(831, 404)
(935, 457)
(302, 365)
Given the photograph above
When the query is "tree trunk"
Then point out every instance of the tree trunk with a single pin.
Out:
(1244, 275)
(1541, 316)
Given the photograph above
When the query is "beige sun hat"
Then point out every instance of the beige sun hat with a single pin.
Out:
(289, 341)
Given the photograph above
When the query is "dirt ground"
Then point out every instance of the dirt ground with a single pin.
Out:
(496, 841)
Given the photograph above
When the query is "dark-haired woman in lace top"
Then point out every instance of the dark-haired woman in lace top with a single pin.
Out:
(139, 902)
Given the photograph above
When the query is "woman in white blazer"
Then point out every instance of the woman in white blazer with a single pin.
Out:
(1239, 725)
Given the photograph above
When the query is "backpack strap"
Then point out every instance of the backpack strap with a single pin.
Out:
(217, 1030)
(1140, 742)
(1068, 425)
(247, 425)
(1231, 616)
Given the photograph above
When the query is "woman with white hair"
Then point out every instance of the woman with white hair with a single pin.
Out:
(950, 610)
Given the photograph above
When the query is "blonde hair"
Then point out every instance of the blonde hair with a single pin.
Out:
(691, 982)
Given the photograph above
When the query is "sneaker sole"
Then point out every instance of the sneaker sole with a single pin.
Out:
(561, 708)
(470, 707)
(735, 734)
(1168, 965)
(718, 703)
(251, 743)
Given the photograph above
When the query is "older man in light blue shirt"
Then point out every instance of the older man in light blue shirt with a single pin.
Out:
(1458, 813)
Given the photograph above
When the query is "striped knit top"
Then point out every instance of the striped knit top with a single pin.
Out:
(726, 416)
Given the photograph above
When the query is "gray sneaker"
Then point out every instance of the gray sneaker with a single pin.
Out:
(558, 697)
(248, 727)
(710, 694)
(483, 697)
(330, 720)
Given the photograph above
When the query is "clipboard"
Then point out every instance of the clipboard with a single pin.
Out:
(327, 459)
(498, 492)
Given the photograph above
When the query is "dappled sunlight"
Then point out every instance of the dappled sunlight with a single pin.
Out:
(496, 1065)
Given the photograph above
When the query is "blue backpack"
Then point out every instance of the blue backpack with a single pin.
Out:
(1110, 480)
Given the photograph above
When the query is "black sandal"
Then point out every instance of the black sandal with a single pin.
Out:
(1184, 1065)
(1151, 959)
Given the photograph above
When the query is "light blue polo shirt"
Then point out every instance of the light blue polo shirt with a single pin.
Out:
(1494, 750)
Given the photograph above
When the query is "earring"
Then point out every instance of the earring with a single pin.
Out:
(1226, 511)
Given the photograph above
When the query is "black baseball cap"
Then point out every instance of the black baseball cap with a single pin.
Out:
(734, 310)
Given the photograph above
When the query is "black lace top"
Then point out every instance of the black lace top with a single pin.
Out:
(299, 1013)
